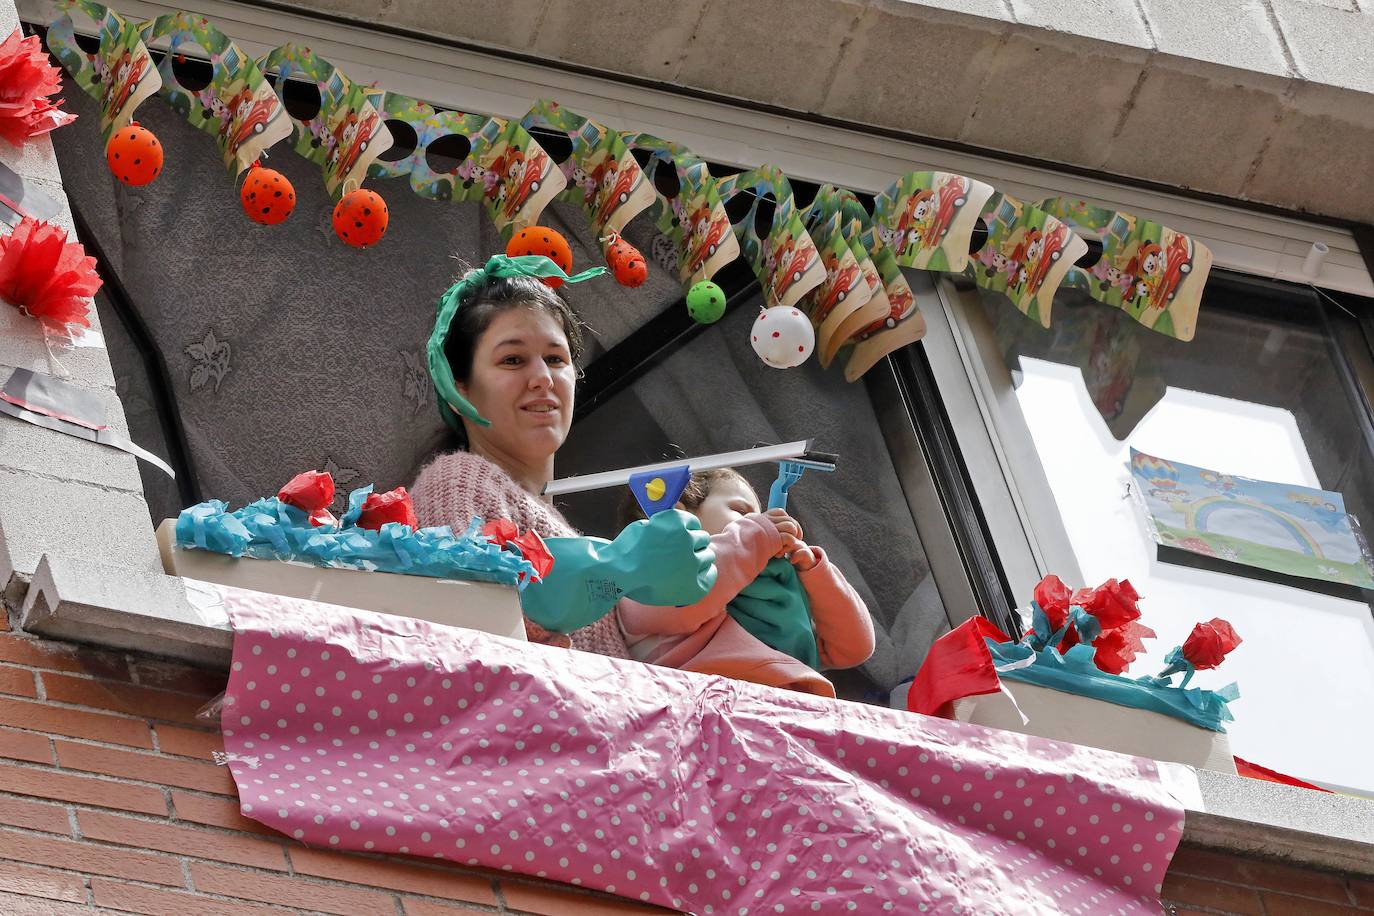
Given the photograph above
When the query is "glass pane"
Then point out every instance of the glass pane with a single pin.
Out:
(1256, 394)
(715, 395)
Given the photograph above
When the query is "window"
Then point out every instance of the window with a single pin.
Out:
(1269, 389)
(714, 395)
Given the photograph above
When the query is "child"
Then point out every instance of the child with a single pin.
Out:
(755, 624)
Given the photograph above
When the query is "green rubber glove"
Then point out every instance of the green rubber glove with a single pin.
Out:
(665, 560)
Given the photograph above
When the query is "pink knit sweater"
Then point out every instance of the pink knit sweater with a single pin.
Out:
(456, 486)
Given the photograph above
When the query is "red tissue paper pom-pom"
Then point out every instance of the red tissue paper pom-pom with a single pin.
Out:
(26, 81)
(45, 276)
(1113, 603)
(382, 508)
(500, 531)
(1053, 597)
(533, 548)
(310, 491)
(1114, 650)
(1209, 643)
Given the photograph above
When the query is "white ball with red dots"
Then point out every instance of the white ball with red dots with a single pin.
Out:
(783, 337)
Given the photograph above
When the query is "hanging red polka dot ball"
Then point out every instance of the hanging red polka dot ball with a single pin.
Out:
(627, 264)
(267, 196)
(545, 241)
(360, 218)
(134, 155)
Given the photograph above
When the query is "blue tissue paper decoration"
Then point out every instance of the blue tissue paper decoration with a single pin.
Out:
(1035, 660)
(269, 529)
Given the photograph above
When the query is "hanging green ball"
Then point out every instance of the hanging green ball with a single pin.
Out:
(705, 302)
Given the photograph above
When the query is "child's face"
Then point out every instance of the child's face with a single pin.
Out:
(727, 501)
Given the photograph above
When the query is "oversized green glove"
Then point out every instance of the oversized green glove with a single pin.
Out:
(665, 560)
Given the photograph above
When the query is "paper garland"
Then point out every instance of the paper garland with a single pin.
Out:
(238, 106)
(1149, 271)
(834, 260)
(347, 134)
(602, 175)
(120, 74)
(503, 166)
(927, 219)
(1026, 255)
(695, 218)
(786, 260)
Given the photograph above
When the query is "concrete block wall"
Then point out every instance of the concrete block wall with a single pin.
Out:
(109, 799)
(1264, 100)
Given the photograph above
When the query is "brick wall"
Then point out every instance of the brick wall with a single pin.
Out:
(109, 799)
(1206, 881)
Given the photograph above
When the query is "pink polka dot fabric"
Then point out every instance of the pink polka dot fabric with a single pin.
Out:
(361, 731)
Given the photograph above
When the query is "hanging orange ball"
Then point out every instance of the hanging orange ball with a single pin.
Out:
(619, 248)
(629, 266)
(545, 241)
(134, 155)
(360, 218)
(267, 196)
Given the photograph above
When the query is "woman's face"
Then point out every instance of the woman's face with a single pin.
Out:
(522, 381)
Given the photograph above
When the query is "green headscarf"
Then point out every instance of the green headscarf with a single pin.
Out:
(452, 404)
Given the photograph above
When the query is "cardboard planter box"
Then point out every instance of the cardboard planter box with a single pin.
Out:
(476, 605)
(1095, 723)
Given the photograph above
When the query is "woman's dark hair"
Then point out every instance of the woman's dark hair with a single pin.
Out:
(698, 488)
(498, 295)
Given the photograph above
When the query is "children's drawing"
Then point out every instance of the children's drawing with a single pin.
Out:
(347, 133)
(602, 175)
(1026, 255)
(1283, 528)
(1149, 271)
(928, 218)
(119, 73)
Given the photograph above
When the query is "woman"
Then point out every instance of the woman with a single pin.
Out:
(503, 359)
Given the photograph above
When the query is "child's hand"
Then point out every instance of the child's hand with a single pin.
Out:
(803, 558)
(787, 525)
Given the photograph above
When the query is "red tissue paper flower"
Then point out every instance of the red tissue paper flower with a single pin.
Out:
(1116, 607)
(311, 492)
(1116, 649)
(45, 276)
(381, 508)
(1113, 603)
(533, 548)
(1209, 643)
(27, 78)
(500, 531)
(1053, 597)
(503, 531)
